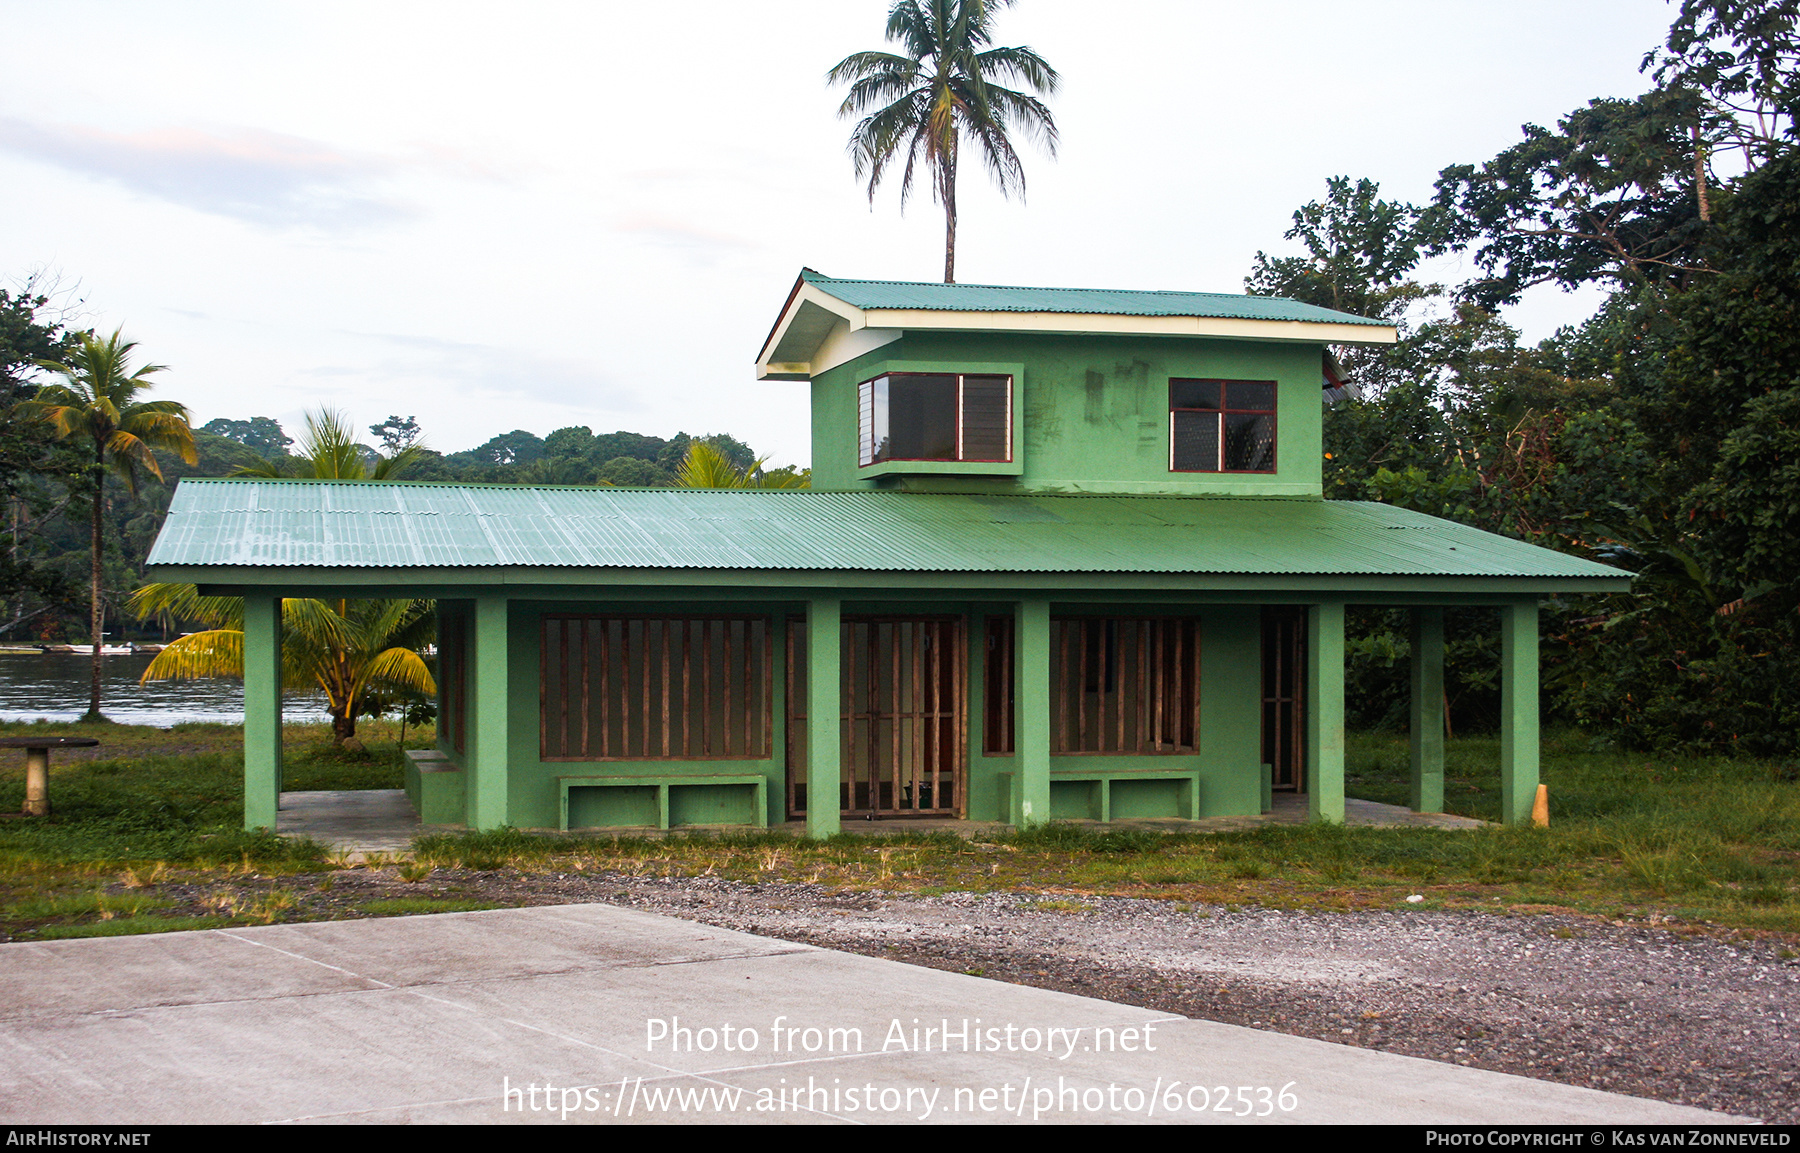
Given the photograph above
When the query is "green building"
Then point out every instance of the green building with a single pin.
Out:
(1065, 555)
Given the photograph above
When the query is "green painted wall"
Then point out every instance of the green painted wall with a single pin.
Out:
(1229, 761)
(1094, 413)
(534, 794)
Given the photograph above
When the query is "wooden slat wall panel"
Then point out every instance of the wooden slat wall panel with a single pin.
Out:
(1121, 686)
(1283, 698)
(624, 688)
(903, 725)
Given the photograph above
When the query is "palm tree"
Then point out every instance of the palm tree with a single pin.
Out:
(96, 400)
(922, 103)
(347, 649)
(707, 466)
(330, 451)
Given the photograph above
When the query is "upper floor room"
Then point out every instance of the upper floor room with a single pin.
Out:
(979, 388)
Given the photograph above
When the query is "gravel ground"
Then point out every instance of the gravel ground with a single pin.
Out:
(1643, 1009)
(1629, 1008)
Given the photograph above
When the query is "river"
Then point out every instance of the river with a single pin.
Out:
(54, 686)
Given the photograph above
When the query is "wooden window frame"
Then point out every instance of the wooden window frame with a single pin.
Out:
(1223, 413)
(865, 420)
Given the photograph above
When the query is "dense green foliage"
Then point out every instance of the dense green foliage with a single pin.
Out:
(1662, 436)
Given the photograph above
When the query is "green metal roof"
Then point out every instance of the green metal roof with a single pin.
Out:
(1089, 301)
(253, 523)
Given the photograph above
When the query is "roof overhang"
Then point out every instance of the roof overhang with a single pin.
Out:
(816, 331)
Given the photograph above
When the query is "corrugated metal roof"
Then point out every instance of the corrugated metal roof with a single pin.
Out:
(360, 525)
(1091, 301)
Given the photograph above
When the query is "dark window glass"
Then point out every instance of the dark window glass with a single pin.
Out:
(1222, 425)
(1249, 442)
(923, 416)
(1194, 394)
(1254, 395)
(1196, 442)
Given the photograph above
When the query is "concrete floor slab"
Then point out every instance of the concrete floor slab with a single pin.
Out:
(156, 969)
(436, 1018)
(364, 821)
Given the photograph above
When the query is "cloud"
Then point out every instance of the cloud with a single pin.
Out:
(266, 178)
(480, 369)
(680, 233)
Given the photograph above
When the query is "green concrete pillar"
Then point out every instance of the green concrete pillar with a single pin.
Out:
(1231, 712)
(1428, 710)
(1031, 713)
(824, 708)
(1325, 713)
(1518, 711)
(262, 710)
(488, 684)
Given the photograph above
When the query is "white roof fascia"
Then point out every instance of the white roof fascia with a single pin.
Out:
(1107, 324)
(768, 368)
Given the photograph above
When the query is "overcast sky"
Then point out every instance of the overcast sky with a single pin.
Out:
(532, 215)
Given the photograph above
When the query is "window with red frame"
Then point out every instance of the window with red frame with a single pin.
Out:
(935, 416)
(1222, 426)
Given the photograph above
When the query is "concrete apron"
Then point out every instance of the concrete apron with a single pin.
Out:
(363, 821)
(625, 1016)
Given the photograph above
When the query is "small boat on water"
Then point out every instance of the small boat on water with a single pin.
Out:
(105, 650)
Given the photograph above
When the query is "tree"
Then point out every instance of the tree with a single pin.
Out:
(1360, 250)
(707, 465)
(261, 433)
(97, 402)
(397, 433)
(329, 451)
(347, 649)
(1744, 55)
(946, 86)
(515, 447)
(32, 329)
(1616, 195)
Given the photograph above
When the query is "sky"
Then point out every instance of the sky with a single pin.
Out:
(541, 214)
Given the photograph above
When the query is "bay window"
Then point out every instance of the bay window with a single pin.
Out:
(935, 416)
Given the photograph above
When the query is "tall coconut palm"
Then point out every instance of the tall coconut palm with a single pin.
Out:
(95, 398)
(347, 649)
(945, 86)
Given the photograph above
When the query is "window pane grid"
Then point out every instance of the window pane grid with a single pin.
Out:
(1222, 426)
(930, 416)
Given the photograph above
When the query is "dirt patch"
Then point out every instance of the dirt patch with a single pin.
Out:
(1646, 1010)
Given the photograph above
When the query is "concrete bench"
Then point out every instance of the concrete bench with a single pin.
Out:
(434, 785)
(1101, 782)
(667, 807)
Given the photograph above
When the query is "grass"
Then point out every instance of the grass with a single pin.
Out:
(1695, 840)
(159, 806)
(406, 906)
(1691, 841)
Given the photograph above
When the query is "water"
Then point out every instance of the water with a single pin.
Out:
(55, 686)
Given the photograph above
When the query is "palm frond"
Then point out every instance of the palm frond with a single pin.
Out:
(316, 626)
(129, 454)
(401, 669)
(214, 653)
(173, 602)
(946, 83)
